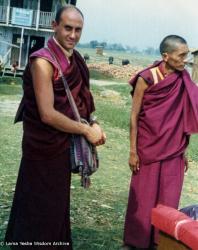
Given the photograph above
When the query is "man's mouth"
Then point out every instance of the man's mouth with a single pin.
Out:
(71, 42)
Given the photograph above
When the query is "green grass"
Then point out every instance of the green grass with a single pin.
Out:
(12, 90)
(113, 112)
(95, 74)
(10, 80)
(97, 214)
(98, 75)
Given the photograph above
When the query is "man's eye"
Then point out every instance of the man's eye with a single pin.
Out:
(67, 28)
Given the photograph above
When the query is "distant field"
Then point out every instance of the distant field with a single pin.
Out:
(135, 59)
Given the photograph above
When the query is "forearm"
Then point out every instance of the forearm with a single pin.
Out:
(93, 134)
(133, 156)
(135, 111)
(133, 135)
(64, 123)
(42, 74)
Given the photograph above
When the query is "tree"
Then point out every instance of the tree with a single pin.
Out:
(104, 44)
(151, 51)
(118, 46)
(135, 50)
(93, 44)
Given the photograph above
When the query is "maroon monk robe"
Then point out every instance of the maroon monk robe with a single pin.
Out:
(36, 133)
(168, 116)
(40, 210)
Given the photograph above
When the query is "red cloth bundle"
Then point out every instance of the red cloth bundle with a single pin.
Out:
(176, 224)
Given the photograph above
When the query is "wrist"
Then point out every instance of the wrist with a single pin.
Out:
(133, 152)
(84, 129)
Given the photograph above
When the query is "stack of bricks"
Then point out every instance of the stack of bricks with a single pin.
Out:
(119, 72)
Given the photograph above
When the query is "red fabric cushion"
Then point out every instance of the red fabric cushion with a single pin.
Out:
(176, 224)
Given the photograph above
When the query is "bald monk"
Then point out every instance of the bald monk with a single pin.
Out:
(40, 210)
(164, 114)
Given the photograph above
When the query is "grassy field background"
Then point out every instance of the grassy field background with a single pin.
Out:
(135, 59)
(97, 214)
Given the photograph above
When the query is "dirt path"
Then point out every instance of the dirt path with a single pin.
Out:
(105, 82)
(8, 107)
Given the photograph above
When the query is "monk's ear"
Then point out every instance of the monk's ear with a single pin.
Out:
(54, 25)
(165, 57)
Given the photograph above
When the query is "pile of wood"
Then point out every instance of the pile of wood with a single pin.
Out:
(115, 71)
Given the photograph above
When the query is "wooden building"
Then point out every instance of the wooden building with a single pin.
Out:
(195, 66)
(25, 26)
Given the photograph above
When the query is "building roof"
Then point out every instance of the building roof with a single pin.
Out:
(194, 51)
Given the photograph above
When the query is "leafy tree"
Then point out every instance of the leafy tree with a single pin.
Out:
(93, 44)
(104, 44)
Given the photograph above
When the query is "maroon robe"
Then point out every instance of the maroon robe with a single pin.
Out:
(39, 136)
(169, 114)
(40, 210)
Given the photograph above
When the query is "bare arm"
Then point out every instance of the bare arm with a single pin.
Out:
(141, 86)
(42, 74)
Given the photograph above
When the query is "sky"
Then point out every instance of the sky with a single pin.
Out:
(139, 23)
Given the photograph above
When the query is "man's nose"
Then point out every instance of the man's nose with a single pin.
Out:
(185, 61)
(73, 34)
(188, 59)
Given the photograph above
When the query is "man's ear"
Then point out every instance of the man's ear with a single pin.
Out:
(54, 25)
(165, 57)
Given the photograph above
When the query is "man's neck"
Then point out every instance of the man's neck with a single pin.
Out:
(67, 53)
(167, 70)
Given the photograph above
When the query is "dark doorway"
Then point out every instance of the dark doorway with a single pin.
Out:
(16, 3)
(46, 5)
(16, 39)
(73, 2)
(36, 43)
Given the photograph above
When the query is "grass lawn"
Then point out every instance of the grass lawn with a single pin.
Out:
(97, 214)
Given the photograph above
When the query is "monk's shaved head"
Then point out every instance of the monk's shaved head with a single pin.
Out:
(170, 43)
(66, 8)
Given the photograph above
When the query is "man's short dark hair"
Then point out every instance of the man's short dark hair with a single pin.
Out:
(64, 8)
(170, 43)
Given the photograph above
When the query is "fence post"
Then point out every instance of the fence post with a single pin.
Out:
(38, 15)
(8, 13)
(21, 45)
